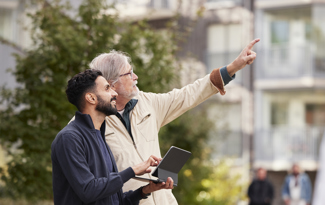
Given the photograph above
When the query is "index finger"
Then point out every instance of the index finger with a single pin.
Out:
(157, 159)
(252, 43)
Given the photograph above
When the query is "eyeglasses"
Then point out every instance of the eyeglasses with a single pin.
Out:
(129, 73)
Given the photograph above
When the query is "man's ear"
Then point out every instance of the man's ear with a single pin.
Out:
(91, 98)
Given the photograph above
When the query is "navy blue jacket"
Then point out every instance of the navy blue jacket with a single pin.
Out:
(80, 174)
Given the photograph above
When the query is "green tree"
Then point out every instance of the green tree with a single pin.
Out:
(225, 187)
(63, 46)
(190, 132)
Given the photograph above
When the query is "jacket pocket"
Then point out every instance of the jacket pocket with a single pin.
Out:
(146, 127)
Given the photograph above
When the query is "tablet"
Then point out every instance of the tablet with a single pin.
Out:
(169, 166)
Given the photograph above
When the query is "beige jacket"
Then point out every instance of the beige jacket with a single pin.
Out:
(151, 113)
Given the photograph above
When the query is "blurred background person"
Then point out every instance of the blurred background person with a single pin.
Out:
(260, 191)
(297, 189)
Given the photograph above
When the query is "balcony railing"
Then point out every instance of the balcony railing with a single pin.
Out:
(159, 4)
(156, 4)
(288, 144)
(233, 1)
(283, 62)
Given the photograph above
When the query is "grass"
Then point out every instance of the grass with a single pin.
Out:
(6, 201)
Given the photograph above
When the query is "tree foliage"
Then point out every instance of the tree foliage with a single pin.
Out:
(63, 46)
(190, 132)
(224, 186)
(201, 182)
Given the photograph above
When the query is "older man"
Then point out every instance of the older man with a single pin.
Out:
(132, 133)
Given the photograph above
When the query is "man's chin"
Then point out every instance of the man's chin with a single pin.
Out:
(135, 92)
(111, 112)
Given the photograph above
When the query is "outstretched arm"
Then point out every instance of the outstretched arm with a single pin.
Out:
(171, 105)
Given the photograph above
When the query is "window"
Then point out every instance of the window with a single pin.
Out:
(6, 24)
(279, 32)
(224, 43)
(279, 113)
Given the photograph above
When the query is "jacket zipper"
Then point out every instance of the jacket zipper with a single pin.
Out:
(135, 146)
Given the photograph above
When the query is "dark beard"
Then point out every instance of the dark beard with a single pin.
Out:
(106, 107)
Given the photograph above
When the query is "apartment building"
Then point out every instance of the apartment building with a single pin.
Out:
(13, 33)
(289, 91)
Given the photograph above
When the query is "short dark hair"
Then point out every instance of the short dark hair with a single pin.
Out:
(79, 84)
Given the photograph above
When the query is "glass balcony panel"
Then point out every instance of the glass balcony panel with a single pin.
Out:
(161, 4)
(234, 1)
(156, 4)
(283, 61)
(289, 144)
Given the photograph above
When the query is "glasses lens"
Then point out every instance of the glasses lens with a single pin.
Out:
(131, 73)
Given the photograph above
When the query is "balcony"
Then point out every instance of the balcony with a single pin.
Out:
(153, 4)
(232, 2)
(288, 145)
(290, 62)
(139, 9)
(159, 4)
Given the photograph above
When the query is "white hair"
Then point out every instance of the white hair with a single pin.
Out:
(110, 64)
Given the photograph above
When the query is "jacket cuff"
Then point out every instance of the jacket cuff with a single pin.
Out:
(225, 75)
(127, 174)
(136, 195)
(217, 81)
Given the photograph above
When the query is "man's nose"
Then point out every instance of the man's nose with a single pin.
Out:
(113, 93)
(134, 76)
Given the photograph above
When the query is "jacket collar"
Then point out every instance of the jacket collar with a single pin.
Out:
(130, 105)
(85, 121)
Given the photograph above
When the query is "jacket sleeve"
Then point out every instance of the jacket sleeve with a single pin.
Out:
(285, 188)
(169, 106)
(132, 197)
(250, 191)
(308, 188)
(271, 191)
(70, 155)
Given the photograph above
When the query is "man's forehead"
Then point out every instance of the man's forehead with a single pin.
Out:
(126, 68)
(101, 81)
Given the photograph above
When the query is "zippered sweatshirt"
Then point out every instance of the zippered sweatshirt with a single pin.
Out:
(80, 174)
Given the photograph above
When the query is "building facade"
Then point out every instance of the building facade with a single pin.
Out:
(289, 91)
